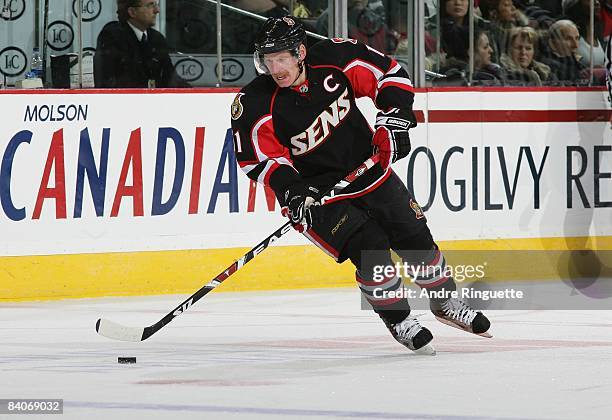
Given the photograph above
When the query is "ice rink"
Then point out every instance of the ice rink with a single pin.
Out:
(302, 354)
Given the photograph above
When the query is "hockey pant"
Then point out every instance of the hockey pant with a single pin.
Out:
(366, 228)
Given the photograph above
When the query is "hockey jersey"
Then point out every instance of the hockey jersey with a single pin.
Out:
(317, 135)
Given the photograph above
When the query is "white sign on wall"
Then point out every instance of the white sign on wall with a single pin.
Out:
(133, 171)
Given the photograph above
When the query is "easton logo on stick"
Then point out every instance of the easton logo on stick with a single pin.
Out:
(183, 308)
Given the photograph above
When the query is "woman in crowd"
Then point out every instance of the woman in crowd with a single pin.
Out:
(520, 64)
(454, 28)
(504, 17)
(485, 69)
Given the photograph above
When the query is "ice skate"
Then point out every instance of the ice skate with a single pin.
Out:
(456, 313)
(412, 334)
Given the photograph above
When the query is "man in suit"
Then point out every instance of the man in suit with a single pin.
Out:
(130, 53)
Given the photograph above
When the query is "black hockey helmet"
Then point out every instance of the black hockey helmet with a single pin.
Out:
(279, 34)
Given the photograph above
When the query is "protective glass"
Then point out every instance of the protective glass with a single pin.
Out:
(277, 62)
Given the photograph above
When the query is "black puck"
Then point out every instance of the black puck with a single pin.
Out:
(125, 360)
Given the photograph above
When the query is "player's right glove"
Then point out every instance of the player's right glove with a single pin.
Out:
(391, 139)
(298, 199)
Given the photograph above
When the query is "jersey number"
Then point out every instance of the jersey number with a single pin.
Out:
(237, 142)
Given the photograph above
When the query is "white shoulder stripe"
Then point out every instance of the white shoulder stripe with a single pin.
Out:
(262, 175)
(249, 168)
(395, 69)
(255, 137)
(373, 69)
(398, 80)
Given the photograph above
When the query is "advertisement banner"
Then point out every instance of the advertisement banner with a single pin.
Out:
(110, 172)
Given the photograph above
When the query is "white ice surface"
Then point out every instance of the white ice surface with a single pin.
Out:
(301, 354)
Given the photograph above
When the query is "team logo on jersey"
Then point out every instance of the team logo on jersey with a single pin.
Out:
(237, 107)
(289, 21)
(418, 211)
(327, 84)
(322, 126)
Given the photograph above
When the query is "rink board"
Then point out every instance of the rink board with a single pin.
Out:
(134, 192)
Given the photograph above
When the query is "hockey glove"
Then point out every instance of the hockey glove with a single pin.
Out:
(391, 140)
(298, 199)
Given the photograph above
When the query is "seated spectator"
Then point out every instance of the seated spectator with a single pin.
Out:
(301, 10)
(316, 7)
(578, 11)
(541, 13)
(366, 23)
(130, 53)
(485, 69)
(239, 31)
(563, 41)
(454, 28)
(520, 64)
(553, 6)
(503, 17)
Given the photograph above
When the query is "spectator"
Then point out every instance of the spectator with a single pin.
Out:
(520, 64)
(538, 17)
(301, 10)
(579, 12)
(130, 53)
(454, 28)
(484, 68)
(553, 6)
(563, 41)
(354, 8)
(366, 23)
(239, 31)
(504, 17)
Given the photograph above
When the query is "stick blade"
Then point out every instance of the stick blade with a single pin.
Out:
(112, 330)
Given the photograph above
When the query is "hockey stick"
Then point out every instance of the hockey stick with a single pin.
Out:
(116, 331)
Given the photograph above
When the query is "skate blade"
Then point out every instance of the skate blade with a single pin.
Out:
(426, 350)
(462, 328)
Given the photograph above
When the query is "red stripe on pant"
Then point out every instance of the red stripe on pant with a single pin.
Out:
(379, 301)
(318, 241)
(435, 263)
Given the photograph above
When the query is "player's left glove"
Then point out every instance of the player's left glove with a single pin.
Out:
(298, 199)
(391, 140)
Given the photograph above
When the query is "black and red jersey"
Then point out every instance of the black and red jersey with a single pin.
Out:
(317, 133)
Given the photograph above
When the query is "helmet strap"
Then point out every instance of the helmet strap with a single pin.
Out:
(300, 65)
(301, 70)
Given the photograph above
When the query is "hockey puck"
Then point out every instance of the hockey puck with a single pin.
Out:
(126, 360)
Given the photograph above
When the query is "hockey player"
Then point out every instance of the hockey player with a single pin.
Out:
(297, 129)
